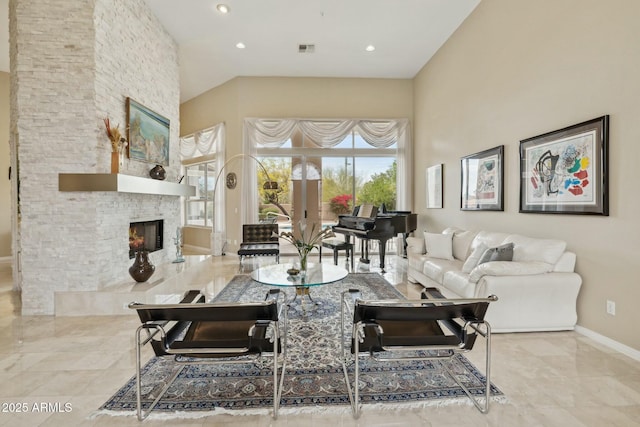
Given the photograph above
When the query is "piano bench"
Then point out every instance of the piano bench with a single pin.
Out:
(338, 245)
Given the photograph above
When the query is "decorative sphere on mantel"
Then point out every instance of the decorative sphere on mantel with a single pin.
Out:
(158, 172)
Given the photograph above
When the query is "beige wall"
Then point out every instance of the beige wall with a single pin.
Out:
(5, 187)
(519, 68)
(289, 97)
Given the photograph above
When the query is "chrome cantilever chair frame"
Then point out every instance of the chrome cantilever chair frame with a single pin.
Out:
(464, 319)
(164, 322)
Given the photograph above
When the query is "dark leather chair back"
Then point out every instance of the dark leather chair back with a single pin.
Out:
(418, 325)
(259, 233)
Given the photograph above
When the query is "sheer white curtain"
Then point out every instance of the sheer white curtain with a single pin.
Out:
(202, 143)
(209, 144)
(273, 133)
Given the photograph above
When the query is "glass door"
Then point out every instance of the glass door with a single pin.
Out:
(298, 199)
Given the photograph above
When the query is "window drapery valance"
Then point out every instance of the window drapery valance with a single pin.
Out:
(273, 133)
(202, 143)
(327, 133)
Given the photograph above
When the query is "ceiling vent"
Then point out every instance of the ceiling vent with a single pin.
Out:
(306, 48)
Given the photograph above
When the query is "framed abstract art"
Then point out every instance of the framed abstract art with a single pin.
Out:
(566, 171)
(482, 184)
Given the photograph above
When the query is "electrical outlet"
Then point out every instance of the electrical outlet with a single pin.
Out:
(611, 307)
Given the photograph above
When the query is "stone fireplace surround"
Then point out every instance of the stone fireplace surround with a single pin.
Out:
(105, 267)
(86, 67)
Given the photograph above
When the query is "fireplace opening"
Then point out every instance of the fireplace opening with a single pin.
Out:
(145, 235)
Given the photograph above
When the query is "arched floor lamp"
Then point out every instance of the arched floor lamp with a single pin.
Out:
(218, 238)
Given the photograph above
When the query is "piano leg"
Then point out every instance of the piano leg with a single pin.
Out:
(364, 251)
(364, 248)
(383, 249)
(404, 244)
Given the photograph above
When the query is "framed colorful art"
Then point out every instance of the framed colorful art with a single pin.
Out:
(566, 171)
(148, 134)
(482, 184)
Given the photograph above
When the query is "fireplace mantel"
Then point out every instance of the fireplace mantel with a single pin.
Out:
(122, 184)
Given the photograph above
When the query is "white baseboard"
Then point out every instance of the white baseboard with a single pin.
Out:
(615, 345)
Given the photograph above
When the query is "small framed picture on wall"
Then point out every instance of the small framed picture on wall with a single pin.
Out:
(434, 187)
(482, 184)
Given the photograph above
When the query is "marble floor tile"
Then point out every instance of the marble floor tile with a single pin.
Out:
(549, 379)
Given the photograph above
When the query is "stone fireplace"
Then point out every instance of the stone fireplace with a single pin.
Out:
(83, 65)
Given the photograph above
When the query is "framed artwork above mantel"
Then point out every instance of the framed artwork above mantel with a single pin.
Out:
(148, 134)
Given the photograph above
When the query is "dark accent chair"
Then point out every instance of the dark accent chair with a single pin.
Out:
(413, 330)
(259, 240)
(193, 331)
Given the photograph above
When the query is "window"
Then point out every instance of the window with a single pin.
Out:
(199, 208)
(356, 160)
(320, 183)
(202, 155)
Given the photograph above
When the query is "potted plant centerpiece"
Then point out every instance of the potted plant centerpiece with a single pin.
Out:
(304, 240)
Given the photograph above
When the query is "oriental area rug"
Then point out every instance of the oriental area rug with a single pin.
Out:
(314, 380)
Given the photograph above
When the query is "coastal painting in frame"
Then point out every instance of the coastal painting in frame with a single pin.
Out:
(483, 181)
(148, 134)
(434, 187)
(565, 171)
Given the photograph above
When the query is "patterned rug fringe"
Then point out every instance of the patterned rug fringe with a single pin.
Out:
(300, 410)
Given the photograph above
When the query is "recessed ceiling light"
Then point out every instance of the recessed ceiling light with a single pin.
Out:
(223, 8)
(240, 45)
(370, 48)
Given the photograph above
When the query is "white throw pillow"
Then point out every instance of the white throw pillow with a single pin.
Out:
(473, 259)
(461, 243)
(439, 245)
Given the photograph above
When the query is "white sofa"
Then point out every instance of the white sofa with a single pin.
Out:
(536, 290)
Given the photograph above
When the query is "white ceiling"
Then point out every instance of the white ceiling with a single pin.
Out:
(406, 34)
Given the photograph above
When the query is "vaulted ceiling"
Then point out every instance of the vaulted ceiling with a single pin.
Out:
(404, 33)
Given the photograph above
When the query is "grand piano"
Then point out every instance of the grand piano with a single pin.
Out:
(367, 224)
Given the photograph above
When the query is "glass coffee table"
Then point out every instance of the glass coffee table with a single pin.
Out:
(317, 275)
